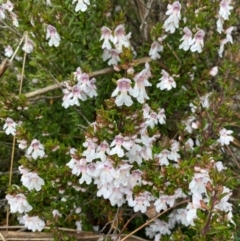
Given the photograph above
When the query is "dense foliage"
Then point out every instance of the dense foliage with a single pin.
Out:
(118, 112)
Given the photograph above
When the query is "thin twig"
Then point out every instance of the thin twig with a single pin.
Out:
(152, 219)
(2, 237)
(92, 74)
(233, 156)
(14, 137)
(23, 65)
(174, 53)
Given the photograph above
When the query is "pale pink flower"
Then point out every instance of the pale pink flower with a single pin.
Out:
(106, 37)
(81, 5)
(152, 119)
(31, 180)
(56, 213)
(120, 37)
(90, 153)
(225, 9)
(116, 145)
(53, 36)
(187, 39)
(221, 49)
(33, 223)
(101, 151)
(10, 126)
(18, 203)
(77, 94)
(8, 51)
(214, 71)
(172, 22)
(28, 46)
(78, 74)
(167, 81)
(198, 43)
(92, 91)
(124, 87)
(156, 47)
(199, 182)
(140, 202)
(163, 157)
(112, 55)
(141, 81)
(36, 149)
(8, 6)
(225, 136)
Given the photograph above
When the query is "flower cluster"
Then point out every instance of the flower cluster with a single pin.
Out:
(139, 91)
(84, 87)
(8, 7)
(194, 44)
(172, 22)
(224, 13)
(119, 39)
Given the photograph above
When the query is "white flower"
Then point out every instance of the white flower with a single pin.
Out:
(14, 19)
(205, 100)
(120, 37)
(28, 46)
(228, 33)
(112, 55)
(31, 180)
(18, 203)
(161, 116)
(141, 81)
(79, 225)
(10, 126)
(106, 37)
(2, 14)
(56, 213)
(225, 136)
(198, 43)
(163, 157)
(221, 49)
(214, 71)
(156, 47)
(8, 6)
(225, 9)
(117, 144)
(36, 149)
(187, 39)
(22, 144)
(140, 202)
(172, 22)
(53, 36)
(33, 223)
(167, 81)
(124, 87)
(8, 51)
(220, 23)
(81, 5)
